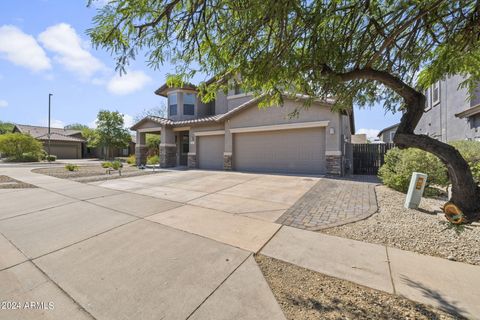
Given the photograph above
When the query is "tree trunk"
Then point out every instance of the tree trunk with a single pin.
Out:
(465, 192)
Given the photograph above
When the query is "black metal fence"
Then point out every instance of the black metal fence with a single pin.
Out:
(369, 157)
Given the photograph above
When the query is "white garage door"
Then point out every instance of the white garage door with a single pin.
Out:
(295, 151)
(210, 155)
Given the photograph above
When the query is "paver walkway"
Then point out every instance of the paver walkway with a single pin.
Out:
(332, 202)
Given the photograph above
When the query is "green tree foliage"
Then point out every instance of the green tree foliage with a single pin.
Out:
(153, 144)
(110, 131)
(20, 147)
(358, 51)
(91, 136)
(6, 127)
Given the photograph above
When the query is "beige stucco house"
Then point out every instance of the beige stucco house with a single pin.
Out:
(64, 143)
(232, 133)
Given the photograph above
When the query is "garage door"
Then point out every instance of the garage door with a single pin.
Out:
(210, 155)
(64, 151)
(295, 151)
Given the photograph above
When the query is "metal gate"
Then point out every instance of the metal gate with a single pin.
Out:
(369, 157)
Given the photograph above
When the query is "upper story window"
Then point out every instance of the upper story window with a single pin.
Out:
(435, 93)
(428, 103)
(238, 89)
(189, 104)
(172, 104)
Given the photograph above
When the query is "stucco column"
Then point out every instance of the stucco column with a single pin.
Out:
(228, 152)
(192, 150)
(140, 149)
(168, 148)
(333, 147)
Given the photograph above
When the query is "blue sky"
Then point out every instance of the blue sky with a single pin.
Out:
(44, 49)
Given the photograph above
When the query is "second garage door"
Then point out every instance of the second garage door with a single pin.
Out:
(210, 154)
(291, 151)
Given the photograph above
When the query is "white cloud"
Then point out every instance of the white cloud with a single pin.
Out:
(371, 133)
(3, 103)
(128, 121)
(54, 123)
(70, 50)
(92, 124)
(128, 83)
(22, 49)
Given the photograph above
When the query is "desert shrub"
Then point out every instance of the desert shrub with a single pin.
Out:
(116, 165)
(20, 147)
(131, 159)
(470, 150)
(399, 165)
(106, 165)
(71, 167)
(51, 157)
(153, 160)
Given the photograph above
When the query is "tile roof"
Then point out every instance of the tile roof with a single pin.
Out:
(56, 134)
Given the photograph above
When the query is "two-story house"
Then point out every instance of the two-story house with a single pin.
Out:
(233, 133)
(449, 114)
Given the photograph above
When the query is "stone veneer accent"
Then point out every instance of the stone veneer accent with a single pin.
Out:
(334, 165)
(227, 161)
(140, 155)
(192, 161)
(168, 156)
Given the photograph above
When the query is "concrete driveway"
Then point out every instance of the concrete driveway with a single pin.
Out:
(176, 245)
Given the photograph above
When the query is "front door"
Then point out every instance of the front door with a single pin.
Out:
(184, 147)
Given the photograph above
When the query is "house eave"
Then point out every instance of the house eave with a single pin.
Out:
(469, 112)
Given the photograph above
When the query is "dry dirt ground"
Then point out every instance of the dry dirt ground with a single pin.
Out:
(92, 173)
(415, 230)
(304, 295)
(9, 183)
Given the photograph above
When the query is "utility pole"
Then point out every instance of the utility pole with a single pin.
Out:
(49, 104)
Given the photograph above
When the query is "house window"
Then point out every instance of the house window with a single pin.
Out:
(392, 134)
(189, 104)
(238, 89)
(435, 93)
(172, 104)
(428, 104)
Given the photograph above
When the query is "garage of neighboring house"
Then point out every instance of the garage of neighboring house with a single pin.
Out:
(210, 151)
(64, 143)
(292, 151)
(64, 150)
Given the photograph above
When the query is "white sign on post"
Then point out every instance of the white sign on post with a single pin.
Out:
(415, 190)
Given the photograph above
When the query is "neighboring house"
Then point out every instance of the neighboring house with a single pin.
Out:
(449, 115)
(386, 135)
(69, 144)
(65, 144)
(232, 133)
(359, 138)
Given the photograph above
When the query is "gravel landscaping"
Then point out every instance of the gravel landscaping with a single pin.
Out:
(305, 294)
(92, 173)
(414, 230)
(9, 183)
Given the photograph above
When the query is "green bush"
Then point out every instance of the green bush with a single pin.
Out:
(71, 167)
(51, 158)
(116, 165)
(106, 165)
(399, 165)
(20, 147)
(131, 159)
(470, 150)
(153, 160)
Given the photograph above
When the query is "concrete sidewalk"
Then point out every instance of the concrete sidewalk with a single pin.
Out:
(450, 286)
